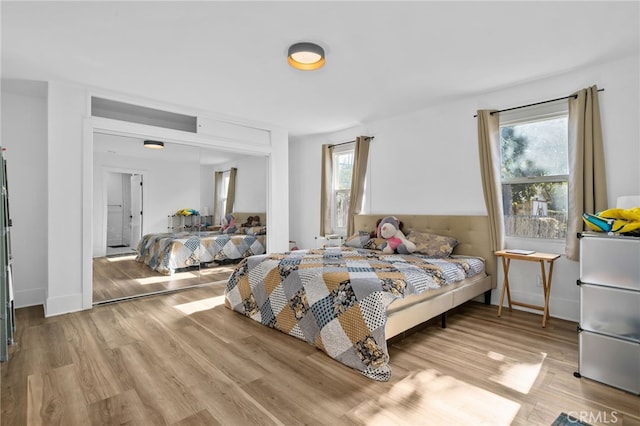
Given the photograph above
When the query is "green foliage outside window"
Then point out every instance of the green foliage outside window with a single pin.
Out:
(531, 151)
(534, 172)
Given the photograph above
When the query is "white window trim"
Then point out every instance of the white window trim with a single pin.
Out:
(531, 114)
(347, 147)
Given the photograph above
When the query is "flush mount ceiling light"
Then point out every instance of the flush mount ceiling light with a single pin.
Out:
(306, 56)
(154, 144)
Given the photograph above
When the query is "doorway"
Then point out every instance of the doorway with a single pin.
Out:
(124, 212)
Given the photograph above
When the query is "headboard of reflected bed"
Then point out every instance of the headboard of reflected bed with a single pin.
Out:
(472, 232)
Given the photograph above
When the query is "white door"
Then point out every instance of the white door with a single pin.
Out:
(115, 211)
(136, 211)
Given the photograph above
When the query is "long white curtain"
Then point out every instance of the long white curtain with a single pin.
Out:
(217, 191)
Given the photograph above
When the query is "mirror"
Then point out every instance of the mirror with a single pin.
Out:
(127, 176)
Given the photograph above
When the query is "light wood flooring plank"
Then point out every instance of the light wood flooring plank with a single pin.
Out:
(123, 409)
(201, 418)
(91, 357)
(115, 278)
(162, 392)
(183, 358)
(56, 398)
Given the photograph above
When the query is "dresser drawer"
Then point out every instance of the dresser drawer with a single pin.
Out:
(611, 311)
(611, 261)
(611, 361)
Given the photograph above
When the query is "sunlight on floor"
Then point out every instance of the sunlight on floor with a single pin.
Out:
(430, 397)
(200, 305)
(216, 270)
(121, 258)
(166, 278)
(517, 374)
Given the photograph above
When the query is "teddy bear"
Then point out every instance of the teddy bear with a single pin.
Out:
(229, 224)
(251, 221)
(396, 242)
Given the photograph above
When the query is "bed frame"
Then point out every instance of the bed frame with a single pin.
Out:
(473, 234)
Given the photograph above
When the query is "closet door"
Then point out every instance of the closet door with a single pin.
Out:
(7, 318)
(4, 284)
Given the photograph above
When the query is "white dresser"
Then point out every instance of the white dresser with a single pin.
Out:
(610, 310)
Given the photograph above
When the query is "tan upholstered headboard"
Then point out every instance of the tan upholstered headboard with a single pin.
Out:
(471, 231)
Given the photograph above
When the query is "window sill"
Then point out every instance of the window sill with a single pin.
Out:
(537, 244)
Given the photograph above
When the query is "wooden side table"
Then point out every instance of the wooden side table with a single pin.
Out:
(507, 256)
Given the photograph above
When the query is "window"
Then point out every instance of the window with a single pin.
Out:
(341, 186)
(222, 195)
(535, 170)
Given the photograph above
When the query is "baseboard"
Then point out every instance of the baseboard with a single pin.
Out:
(63, 305)
(565, 309)
(31, 297)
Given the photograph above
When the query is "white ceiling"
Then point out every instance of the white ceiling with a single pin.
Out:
(383, 58)
(125, 146)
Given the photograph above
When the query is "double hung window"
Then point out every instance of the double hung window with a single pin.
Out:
(535, 170)
(223, 191)
(341, 186)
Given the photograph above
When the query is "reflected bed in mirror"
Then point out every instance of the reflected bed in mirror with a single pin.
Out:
(169, 253)
(171, 179)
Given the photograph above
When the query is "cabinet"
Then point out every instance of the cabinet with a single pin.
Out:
(7, 313)
(609, 327)
(179, 223)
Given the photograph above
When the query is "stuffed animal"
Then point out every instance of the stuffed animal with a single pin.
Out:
(396, 242)
(374, 233)
(614, 221)
(229, 224)
(251, 221)
(187, 212)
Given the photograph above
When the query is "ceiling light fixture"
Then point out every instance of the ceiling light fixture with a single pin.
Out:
(306, 56)
(154, 144)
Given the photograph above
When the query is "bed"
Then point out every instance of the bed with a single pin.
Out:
(349, 300)
(170, 252)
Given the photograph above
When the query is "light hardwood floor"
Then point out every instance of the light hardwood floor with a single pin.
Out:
(121, 277)
(185, 359)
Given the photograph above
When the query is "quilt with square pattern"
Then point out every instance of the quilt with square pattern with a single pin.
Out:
(336, 298)
(168, 252)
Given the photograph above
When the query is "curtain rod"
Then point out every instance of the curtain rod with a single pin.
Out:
(537, 103)
(344, 143)
(228, 170)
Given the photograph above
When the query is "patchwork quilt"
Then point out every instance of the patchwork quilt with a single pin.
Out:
(168, 252)
(336, 298)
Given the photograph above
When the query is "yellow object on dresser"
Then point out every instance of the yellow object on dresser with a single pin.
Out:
(507, 256)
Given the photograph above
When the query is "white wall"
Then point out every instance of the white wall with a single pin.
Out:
(426, 162)
(54, 192)
(66, 109)
(251, 183)
(24, 135)
(168, 186)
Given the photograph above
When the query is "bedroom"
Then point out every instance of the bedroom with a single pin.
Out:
(182, 170)
(48, 171)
